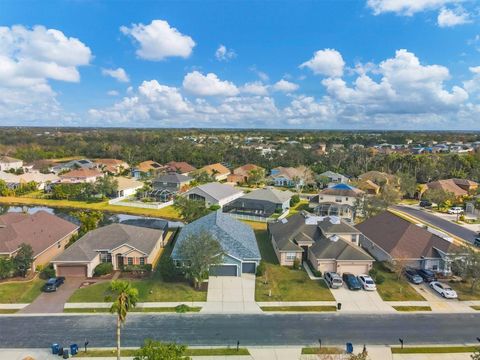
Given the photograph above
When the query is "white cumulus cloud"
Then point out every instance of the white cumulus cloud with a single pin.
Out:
(159, 40)
(285, 86)
(224, 54)
(406, 7)
(119, 74)
(208, 85)
(255, 88)
(328, 62)
(453, 17)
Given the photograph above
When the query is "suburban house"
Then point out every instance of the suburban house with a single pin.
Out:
(166, 186)
(46, 233)
(111, 166)
(260, 203)
(217, 171)
(388, 237)
(15, 181)
(290, 176)
(337, 200)
(127, 187)
(118, 244)
(379, 178)
(327, 243)
(146, 169)
(214, 194)
(458, 187)
(10, 163)
(334, 178)
(241, 174)
(180, 167)
(42, 165)
(11, 180)
(237, 239)
(369, 187)
(72, 165)
(81, 176)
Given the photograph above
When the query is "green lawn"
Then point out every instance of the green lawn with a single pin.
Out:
(302, 205)
(434, 350)
(300, 308)
(323, 350)
(20, 292)
(464, 291)
(142, 310)
(412, 308)
(285, 284)
(190, 352)
(394, 289)
(168, 212)
(151, 289)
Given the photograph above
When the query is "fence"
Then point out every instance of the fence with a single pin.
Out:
(258, 218)
(139, 204)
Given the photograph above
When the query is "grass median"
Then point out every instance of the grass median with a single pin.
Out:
(188, 352)
(299, 308)
(412, 308)
(434, 349)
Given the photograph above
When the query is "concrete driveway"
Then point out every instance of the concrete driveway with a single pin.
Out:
(53, 302)
(360, 301)
(231, 295)
(439, 304)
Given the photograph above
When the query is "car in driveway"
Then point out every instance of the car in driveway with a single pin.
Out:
(351, 281)
(455, 210)
(444, 290)
(476, 241)
(333, 280)
(427, 275)
(412, 276)
(367, 282)
(53, 284)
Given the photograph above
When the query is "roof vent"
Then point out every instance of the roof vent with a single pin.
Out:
(284, 221)
(313, 220)
(334, 238)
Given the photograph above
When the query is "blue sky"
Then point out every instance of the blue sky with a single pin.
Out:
(360, 64)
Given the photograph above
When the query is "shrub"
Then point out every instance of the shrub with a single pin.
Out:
(373, 272)
(137, 267)
(182, 308)
(47, 272)
(103, 269)
(380, 279)
(261, 268)
(215, 207)
(167, 269)
(296, 264)
(294, 200)
(461, 218)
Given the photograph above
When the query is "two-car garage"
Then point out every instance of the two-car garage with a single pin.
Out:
(232, 269)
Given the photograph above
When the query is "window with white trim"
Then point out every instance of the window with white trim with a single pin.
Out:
(130, 261)
(291, 256)
(142, 261)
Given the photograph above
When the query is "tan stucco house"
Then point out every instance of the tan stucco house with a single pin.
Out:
(46, 233)
(327, 243)
(118, 244)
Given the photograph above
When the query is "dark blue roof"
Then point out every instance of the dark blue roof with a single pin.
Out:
(342, 186)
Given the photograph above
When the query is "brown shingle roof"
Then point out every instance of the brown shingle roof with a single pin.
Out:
(215, 169)
(401, 238)
(81, 173)
(148, 165)
(245, 169)
(40, 230)
(180, 166)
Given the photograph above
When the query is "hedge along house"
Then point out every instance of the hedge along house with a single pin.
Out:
(118, 244)
(46, 233)
(328, 243)
(388, 237)
(241, 253)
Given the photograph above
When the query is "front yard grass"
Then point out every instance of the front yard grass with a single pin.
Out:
(434, 350)
(189, 352)
(284, 283)
(323, 350)
(300, 308)
(151, 289)
(412, 308)
(134, 310)
(20, 292)
(464, 292)
(394, 289)
(167, 212)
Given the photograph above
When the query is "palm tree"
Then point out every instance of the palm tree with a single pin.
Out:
(124, 299)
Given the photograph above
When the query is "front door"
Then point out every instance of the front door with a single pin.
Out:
(305, 253)
(119, 261)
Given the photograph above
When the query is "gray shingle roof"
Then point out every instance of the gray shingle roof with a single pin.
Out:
(325, 248)
(236, 238)
(173, 178)
(268, 194)
(110, 237)
(215, 190)
(332, 225)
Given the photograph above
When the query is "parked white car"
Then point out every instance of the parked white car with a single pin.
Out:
(367, 282)
(444, 290)
(455, 210)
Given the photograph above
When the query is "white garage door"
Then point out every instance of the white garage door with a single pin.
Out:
(355, 269)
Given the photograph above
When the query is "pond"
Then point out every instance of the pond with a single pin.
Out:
(68, 214)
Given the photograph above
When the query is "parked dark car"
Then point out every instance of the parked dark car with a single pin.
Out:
(427, 275)
(351, 281)
(425, 203)
(412, 276)
(53, 283)
(476, 241)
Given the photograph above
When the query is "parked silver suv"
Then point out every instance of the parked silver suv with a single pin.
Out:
(333, 280)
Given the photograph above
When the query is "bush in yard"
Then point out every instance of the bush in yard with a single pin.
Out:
(215, 207)
(103, 269)
(261, 268)
(373, 272)
(47, 272)
(182, 308)
(296, 264)
(380, 279)
(294, 200)
(167, 269)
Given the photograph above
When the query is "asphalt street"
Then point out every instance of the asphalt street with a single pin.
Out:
(250, 330)
(446, 225)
